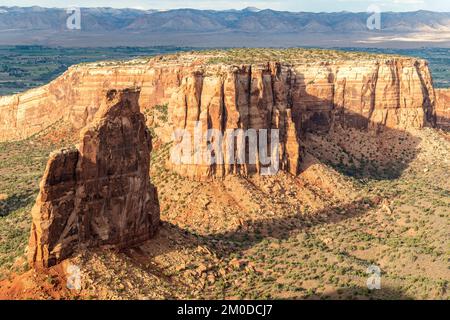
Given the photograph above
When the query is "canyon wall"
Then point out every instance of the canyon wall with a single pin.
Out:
(76, 95)
(293, 97)
(394, 92)
(98, 194)
(443, 108)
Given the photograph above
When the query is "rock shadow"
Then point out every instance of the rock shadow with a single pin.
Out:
(16, 202)
(363, 293)
(252, 232)
(349, 140)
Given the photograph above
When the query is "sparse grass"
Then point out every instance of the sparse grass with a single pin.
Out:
(286, 245)
(22, 164)
(294, 55)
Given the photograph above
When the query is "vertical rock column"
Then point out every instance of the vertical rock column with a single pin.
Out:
(443, 108)
(233, 102)
(100, 193)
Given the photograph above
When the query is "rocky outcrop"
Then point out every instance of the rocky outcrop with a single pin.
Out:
(293, 96)
(295, 99)
(227, 99)
(443, 108)
(395, 91)
(98, 194)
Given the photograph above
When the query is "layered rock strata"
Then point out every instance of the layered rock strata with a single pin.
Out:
(443, 108)
(292, 96)
(231, 101)
(396, 92)
(98, 194)
(295, 99)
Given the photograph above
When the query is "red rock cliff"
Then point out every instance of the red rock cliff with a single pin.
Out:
(99, 194)
(368, 95)
(395, 92)
(443, 108)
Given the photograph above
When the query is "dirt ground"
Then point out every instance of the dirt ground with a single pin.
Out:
(361, 200)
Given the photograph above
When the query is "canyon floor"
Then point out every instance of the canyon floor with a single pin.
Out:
(361, 200)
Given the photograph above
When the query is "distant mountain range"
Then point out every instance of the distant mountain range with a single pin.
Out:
(248, 27)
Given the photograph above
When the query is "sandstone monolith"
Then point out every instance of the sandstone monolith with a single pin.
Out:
(98, 194)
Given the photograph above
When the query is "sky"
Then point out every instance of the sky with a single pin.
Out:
(289, 5)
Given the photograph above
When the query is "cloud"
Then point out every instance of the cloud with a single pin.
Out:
(409, 1)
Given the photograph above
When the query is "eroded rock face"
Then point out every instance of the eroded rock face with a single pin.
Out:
(100, 193)
(230, 99)
(292, 97)
(296, 99)
(443, 108)
(394, 92)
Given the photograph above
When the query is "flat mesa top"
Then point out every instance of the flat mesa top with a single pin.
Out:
(256, 56)
(294, 56)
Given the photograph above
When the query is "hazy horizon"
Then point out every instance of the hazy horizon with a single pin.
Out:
(193, 8)
(288, 5)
